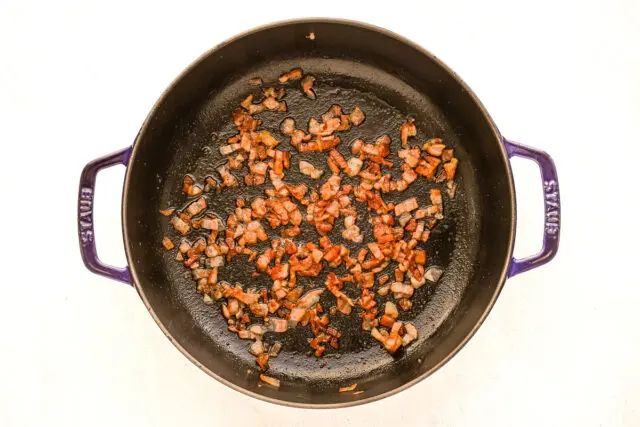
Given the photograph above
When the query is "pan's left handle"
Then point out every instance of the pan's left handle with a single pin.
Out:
(551, 191)
(85, 216)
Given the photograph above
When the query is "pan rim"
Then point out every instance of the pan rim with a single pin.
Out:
(459, 81)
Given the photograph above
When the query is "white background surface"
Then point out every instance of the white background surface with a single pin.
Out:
(560, 347)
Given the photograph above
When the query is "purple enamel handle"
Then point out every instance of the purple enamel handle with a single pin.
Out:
(551, 190)
(85, 216)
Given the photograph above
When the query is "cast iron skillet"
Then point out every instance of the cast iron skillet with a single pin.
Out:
(390, 79)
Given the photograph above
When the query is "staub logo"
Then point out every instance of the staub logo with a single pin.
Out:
(552, 208)
(85, 215)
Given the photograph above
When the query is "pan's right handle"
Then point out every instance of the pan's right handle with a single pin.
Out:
(85, 216)
(551, 189)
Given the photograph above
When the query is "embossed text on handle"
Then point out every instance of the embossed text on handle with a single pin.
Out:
(551, 208)
(85, 215)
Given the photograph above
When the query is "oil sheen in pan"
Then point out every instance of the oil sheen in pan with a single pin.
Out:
(359, 353)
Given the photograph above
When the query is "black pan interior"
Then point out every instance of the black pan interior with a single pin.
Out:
(390, 81)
